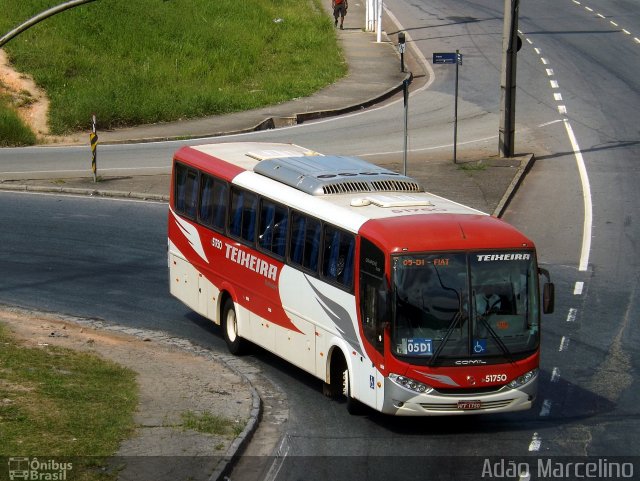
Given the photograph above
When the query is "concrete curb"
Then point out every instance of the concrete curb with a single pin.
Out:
(240, 443)
(42, 189)
(525, 166)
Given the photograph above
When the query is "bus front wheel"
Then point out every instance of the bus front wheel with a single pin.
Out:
(235, 343)
(339, 386)
(354, 406)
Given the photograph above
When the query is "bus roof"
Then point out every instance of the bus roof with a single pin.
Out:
(343, 191)
(441, 232)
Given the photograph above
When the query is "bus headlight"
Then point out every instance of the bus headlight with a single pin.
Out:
(411, 384)
(524, 379)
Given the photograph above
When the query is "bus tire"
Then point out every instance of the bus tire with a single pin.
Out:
(339, 386)
(354, 407)
(235, 343)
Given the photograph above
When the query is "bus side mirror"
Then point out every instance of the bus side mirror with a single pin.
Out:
(548, 297)
(548, 292)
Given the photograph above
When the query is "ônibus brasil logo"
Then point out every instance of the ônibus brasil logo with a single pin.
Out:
(36, 470)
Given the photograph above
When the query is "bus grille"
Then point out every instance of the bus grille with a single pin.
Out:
(443, 407)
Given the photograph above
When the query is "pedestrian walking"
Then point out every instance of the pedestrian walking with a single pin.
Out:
(339, 10)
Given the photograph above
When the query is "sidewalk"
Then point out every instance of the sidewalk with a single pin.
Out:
(485, 184)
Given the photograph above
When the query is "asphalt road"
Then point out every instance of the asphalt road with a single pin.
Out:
(592, 343)
(588, 401)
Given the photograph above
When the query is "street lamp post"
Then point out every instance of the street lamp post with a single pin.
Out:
(41, 16)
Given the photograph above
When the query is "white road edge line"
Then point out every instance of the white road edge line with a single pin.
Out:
(435, 147)
(586, 197)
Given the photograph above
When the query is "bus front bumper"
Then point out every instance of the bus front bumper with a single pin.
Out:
(401, 401)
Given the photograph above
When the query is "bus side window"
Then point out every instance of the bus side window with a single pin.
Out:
(338, 256)
(213, 202)
(312, 244)
(220, 195)
(243, 215)
(186, 191)
(305, 241)
(273, 228)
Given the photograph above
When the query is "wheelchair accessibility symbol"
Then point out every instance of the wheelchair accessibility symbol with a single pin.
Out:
(479, 346)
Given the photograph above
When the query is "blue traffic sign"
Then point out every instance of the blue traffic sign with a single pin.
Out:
(444, 58)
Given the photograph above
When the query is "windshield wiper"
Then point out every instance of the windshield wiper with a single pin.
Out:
(499, 342)
(447, 335)
(454, 320)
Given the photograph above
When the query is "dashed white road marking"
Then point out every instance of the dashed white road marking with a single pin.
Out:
(577, 290)
(535, 443)
(584, 178)
(525, 476)
(602, 16)
(546, 408)
(555, 375)
(564, 344)
(571, 316)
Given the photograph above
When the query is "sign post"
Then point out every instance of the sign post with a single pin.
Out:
(402, 44)
(450, 58)
(93, 138)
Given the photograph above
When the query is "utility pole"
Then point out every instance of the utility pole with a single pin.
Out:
(510, 47)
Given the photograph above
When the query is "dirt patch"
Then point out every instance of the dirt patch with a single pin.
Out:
(172, 381)
(31, 101)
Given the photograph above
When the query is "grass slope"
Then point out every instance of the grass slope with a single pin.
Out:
(58, 402)
(13, 131)
(159, 60)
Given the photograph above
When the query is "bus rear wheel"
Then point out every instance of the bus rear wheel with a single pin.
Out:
(235, 343)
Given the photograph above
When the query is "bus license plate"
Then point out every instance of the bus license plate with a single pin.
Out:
(466, 405)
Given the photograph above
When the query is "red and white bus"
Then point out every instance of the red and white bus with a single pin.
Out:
(396, 298)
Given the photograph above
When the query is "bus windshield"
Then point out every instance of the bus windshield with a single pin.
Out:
(465, 305)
